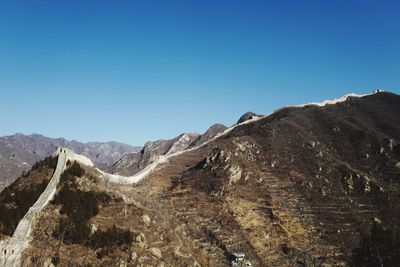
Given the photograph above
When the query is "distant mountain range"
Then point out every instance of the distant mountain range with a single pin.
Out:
(19, 152)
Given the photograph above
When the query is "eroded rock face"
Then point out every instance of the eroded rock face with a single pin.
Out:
(212, 132)
(156, 252)
(141, 240)
(218, 159)
(133, 257)
(146, 220)
(245, 149)
(48, 263)
(135, 162)
(234, 174)
(183, 142)
(230, 160)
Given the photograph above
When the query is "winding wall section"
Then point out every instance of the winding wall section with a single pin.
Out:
(11, 249)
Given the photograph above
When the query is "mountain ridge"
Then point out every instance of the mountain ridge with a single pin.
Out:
(133, 163)
(316, 184)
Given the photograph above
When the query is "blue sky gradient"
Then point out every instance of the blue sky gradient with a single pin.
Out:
(134, 71)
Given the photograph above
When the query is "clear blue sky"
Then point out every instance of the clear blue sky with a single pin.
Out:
(134, 71)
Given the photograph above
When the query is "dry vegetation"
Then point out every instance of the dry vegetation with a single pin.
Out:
(17, 198)
(303, 187)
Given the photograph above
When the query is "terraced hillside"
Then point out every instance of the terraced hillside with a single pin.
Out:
(304, 186)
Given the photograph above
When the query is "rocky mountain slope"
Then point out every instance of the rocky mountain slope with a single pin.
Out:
(305, 186)
(134, 162)
(19, 152)
(316, 185)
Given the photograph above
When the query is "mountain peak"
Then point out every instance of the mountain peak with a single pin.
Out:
(247, 116)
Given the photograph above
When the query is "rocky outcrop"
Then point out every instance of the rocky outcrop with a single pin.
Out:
(156, 252)
(182, 142)
(135, 162)
(212, 132)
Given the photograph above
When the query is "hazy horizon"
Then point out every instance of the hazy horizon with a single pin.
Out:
(135, 72)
